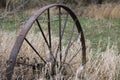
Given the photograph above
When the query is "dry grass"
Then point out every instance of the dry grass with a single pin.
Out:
(102, 11)
(107, 10)
(6, 42)
(100, 65)
(103, 65)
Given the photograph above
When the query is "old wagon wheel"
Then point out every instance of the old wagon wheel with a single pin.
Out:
(61, 41)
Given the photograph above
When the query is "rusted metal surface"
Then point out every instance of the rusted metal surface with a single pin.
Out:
(12, 60)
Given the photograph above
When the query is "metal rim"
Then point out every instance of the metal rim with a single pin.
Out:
(12, 60)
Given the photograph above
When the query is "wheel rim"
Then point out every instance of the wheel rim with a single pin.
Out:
(58, 55)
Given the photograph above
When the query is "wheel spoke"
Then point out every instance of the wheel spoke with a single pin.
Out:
(35, 50)
(64, 26)
(49, 30)
(62, 35)
(69, 48)
(49, 33)
(75, 54)
(60, 41)
(42, 33)
(51, 55)
(69, 43)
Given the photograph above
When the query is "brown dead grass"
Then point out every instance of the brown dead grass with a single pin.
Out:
(103, 65)
(100, 65)
(102, 11)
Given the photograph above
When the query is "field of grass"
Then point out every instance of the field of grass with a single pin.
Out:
(101, 31)
(98, 31)
(102, 42)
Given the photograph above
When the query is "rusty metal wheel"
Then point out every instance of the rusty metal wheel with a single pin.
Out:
(59, 45)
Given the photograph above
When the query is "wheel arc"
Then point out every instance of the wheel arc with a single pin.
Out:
(15, 50)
